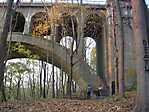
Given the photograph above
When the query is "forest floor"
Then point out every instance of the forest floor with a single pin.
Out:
(110, 104)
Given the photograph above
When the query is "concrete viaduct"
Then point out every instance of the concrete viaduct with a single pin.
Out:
(101, 32)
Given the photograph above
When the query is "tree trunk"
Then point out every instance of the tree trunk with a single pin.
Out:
(68, 86)
(62, 82)
(65, 84)
(10, 86)
(3, 46)
(120, 38)
(41, 78)
(56, 84)
(30, 85)
(74, 87)
(53, 82)
(18, 88)
(53, 33)
(116, 58)
(23, 89)
(71, 59)
(48, 79)
(48, 83)
(116, 76)
(142, 55)
(71, 72)
(44, 80)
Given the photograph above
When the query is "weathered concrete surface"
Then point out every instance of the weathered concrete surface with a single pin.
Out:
(81, 71)
(28, 10)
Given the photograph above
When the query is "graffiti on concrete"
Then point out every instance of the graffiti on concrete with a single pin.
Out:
(146, 55)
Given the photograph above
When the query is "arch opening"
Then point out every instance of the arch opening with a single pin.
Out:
(94, 29)
(18, 22)
(69, 25)
(67, 42)
(93, 26)
(90, 51)
(31, 72)
(39, 25)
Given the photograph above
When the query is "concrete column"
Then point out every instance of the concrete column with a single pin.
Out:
(27, 26)
(28, 16)
(100, 57)
(110, 72)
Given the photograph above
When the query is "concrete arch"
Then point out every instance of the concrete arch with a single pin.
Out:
(81, 71)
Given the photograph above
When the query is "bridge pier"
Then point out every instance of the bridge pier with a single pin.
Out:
(27, 25)
(100, 57)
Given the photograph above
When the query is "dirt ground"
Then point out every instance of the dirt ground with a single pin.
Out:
(110, 104)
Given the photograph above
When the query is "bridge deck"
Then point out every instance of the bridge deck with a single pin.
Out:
(95, 6)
